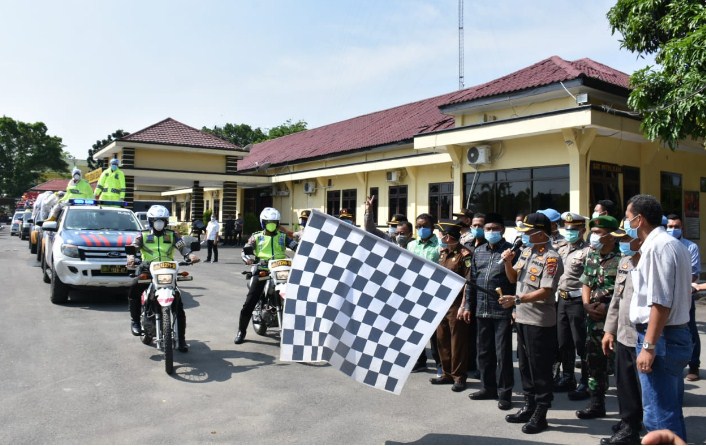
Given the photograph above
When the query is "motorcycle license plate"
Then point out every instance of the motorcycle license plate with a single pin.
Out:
(283, 262)
(113, 269)
(170, 265)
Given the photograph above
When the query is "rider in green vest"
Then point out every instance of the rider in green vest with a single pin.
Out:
(158, 244)
(270, 243)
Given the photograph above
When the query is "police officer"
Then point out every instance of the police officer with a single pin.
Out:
(303, 220)
(618, 328)
(598, 284)
(77, 187)
(371, 226)
(537, 274)
(158, 244)
(571, 318)
(270, 243)
(555, 218)
(111, 184)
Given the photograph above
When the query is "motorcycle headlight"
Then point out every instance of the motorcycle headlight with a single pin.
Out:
(282, 275)
(69, 250)
(165, 279)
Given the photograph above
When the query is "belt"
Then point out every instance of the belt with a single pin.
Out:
(115, 191)
(569, 294)
(643, 327)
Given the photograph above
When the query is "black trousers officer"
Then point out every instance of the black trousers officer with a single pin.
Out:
(537, 351)
(256, 289)
(571, 336)
(495, 356)
(628, 388)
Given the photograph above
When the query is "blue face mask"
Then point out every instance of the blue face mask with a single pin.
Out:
(424, 233)
(572, 235)
(302, 222)
(625, 249)
(674, 232)
(630, 232)
(442, 244)
(477, 232)
(113, 167)
(493, 237)
(350, 222)
(526, 240)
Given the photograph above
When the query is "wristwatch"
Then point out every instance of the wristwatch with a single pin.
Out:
(518, 300)
(648, 346)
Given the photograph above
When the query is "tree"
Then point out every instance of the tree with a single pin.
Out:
(26, 151)
(670, 95)
(92, 163)
(242, 134)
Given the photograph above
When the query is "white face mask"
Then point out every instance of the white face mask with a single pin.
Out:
(158, 225)
(77, 177)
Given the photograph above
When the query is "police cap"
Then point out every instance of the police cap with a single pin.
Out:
(535, 221)
(397, 218)
(449, 227)
(572, 217)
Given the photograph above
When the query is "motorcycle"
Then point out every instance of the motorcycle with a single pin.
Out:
(159, 302)
(268, 311)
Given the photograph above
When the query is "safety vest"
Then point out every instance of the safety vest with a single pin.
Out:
(80, 190)
(157, 247)
(270, 247)
(111, 185)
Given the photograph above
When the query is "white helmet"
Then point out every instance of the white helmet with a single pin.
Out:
(76, 171)
(157, 212)
(269, 214)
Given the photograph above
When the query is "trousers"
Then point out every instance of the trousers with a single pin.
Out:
(537, 351)
(571, 335)
(495, 356)
(452, 342)
(627, 384)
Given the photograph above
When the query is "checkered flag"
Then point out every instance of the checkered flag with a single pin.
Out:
(361, 303)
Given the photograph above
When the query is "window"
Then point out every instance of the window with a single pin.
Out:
(441, 197)
(605, 184)
(631, 183)
(397, 201)
(333, 202)
(670, 192)
(349, 198)
(374, 192)
(509, 192)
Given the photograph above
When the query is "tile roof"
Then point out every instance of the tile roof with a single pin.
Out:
(52, 185)
(174, 133)
(548, 71)
(390, 126)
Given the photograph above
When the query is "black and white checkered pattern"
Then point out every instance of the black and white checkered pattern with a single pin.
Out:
(365, 305)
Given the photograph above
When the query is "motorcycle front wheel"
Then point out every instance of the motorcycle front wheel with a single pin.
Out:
(168, 340)
(257, 323)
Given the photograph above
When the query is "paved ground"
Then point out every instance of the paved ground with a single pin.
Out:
(74, 374)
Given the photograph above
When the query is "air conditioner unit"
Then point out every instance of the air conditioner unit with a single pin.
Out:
(393, 176)
(309, 187)
(478, 155)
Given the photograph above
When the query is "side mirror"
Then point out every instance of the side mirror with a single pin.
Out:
(31, 220)
(50, 226)
(130, 250)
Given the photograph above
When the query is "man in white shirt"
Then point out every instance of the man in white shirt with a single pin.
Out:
(660, 312)
(212, 239)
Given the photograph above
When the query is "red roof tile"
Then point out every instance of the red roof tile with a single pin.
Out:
(174, 133)
(390, 126)
(546, 72)
(52, 185)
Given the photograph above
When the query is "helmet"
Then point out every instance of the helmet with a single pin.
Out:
(76, 171)
(157, 212)
(115, 161)
(269, 214)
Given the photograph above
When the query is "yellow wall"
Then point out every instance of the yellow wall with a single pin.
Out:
(198, 162)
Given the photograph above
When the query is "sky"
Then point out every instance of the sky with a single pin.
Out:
(87, 68)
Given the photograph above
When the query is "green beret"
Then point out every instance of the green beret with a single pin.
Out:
(604, 221)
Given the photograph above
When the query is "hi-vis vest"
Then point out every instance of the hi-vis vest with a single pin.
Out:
(270, 247)
(111, 185)
(157, 247)
(80, 190)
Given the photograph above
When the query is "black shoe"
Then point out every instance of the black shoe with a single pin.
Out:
(183, 347)
(136, 329)
(504, 405)
(538, 422)
(442, 380)
(215, 261)
(626, 435)
(617, 426)
(459, 386)
(207, 260)
(523, 415)
(581, 393)
(565, 383)
(419, 366)
(596, 409)
(483, 394)
(240, 337)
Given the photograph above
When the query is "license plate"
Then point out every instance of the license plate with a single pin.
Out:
(169, 265)
(284, 262)
(113, 269)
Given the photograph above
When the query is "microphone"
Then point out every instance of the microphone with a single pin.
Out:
(515, 247)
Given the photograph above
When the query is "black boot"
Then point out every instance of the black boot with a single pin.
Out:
(581, 393)
(136, 328)
(239, 337)
(566, 383)
(595, 409)
(524, 414)
(625, 435)
(538, 422)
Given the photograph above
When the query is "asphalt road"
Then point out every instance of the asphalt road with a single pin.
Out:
(74, 374)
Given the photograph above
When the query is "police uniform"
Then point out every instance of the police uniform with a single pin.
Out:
(111, 185)
(571, 317)
(599, 275)
(80, 189)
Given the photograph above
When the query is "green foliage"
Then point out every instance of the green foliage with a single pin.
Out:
(95, 148)
(206, 216)
(26, 152)
(286, 129)
(672, 95)
(242, 134)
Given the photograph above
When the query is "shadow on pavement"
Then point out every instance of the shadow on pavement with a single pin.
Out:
(436, 438)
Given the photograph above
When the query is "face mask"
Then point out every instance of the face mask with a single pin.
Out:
(213, 218)
(674, 232)
(477, 232)
(402, 240)
(596, 242)
(493, 237)
(631, 232)
(77, 177)
(302, 222)
(442, 244)
(424, 233)
(158, 225)
(345, 220)
(595, 214)
(271, 227)
(572, 235)
(526, 240)
(113, 167)
(625, 249)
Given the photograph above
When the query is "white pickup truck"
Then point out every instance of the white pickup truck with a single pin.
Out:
(85, 249)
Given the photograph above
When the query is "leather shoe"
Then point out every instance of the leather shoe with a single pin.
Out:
(459, 386)
(504, 405)
(483, 394)
(183, 347)
(442, 380)
(240, 337)
(617, 426)
(581, 393)
(522, 416)
(136, 329)
(626, 435)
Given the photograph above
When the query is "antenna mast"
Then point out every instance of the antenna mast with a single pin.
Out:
(460, 45)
